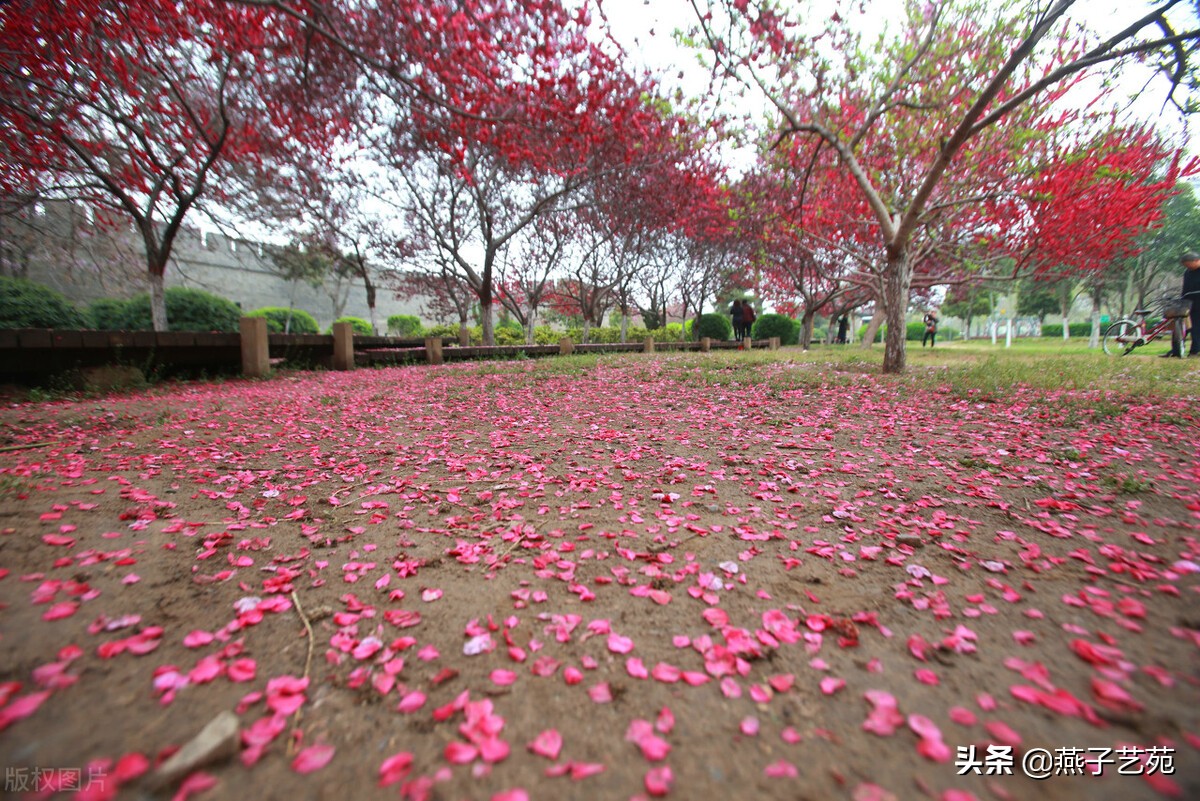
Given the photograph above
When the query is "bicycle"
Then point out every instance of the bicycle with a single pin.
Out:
(1127, 335)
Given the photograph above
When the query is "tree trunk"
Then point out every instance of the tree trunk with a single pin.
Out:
(806, 328)
(371, 304)
(530, 324)
(587, 329)
(624, 327)
(158, 302)
(897, 282)
(872, 329)
(287, 323)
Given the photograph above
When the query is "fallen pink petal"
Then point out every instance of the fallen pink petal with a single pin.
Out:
(773, 573)
(313, 758)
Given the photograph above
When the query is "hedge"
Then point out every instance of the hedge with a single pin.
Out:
(714, 326)
(277, 320)
(107, 314)
(405, 325)
(1077, 330)
(187, 310)
(361, 327)
(776, 325)
(914, 332)
(25, 304)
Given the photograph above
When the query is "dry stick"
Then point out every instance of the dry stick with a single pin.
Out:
(29, 446)
(521, 538)
(665, 546)
(291, 746)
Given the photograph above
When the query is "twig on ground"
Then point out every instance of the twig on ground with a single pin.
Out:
(28, 446)
(291, 747)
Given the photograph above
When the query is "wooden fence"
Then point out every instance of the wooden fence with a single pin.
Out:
(41, 352)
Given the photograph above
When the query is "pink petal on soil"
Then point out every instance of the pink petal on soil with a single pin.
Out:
(493, 749)
(830, 685)
(313, 758)
(22, 708)
(926, 677)
(395, 768)
(515, 794)
(242, 670)
(196, 639)
(547, 744)
(963, 716)
(60, 610)
(619, 644)
(600, 693)
(1002, 733)
(659, 780)
(194, 784)
(581, 770)
(503, 678)
(781, 769)
(460, 753)
(411, 702)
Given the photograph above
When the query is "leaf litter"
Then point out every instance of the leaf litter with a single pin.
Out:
(618, 582)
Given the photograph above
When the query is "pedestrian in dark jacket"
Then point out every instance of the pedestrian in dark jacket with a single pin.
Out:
(1191, 294)
(735, 313)
(931, 322)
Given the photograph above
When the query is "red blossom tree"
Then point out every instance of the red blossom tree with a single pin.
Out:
(137, 108)
(930, 125)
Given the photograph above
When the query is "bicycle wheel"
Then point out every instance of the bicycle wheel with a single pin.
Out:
(1121, 337)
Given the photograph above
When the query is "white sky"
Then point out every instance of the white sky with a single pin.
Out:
(645, 27)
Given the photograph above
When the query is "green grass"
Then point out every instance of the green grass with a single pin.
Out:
(971, 369)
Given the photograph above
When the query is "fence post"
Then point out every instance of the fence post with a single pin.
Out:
(343, 346)
(747, 343)
(566, 346)
(648, 345)
(256, 361)
(433, 350)
(774, 343)
(705, 344)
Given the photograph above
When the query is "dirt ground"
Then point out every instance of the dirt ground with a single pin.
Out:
(680, 576)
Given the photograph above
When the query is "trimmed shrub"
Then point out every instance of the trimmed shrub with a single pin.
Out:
(187, 310)
(673, 332)
(776, 325)
(445, 330)
(277, 320)
(25, 304)
(107, 314)
(1077, 329)
(507, 335)
(714, 326)
(405, 325)
(361, 327)
(545, 335)
(916, 331)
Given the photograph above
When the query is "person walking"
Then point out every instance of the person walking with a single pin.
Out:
(843, 330)
(748, 318)
(931, 322)
(1190, 294)
(735, 313)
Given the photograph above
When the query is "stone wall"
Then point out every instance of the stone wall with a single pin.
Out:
(59, 247)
